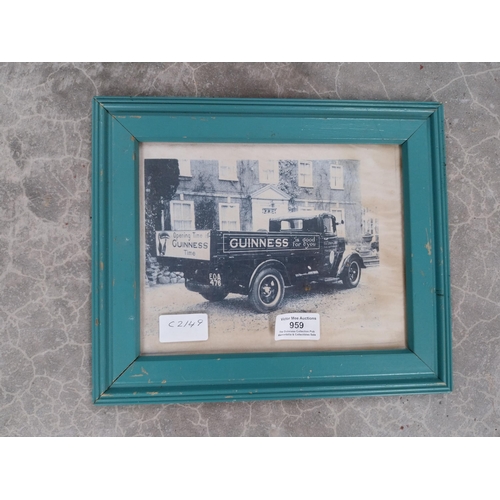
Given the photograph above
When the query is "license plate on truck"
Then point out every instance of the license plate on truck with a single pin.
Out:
(214, 279)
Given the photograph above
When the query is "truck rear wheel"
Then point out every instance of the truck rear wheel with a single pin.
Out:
(351, 274)
(214, 295)
(268, 290)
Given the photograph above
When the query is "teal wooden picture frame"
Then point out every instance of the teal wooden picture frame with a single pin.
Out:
(121, 375)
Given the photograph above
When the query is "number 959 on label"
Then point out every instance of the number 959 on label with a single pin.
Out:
(297, 326)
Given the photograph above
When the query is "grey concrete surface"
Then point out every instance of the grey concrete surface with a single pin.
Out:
(45, 340)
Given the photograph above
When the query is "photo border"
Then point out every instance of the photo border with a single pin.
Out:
(122, 376)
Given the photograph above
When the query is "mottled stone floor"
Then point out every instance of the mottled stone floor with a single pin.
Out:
(45, 155)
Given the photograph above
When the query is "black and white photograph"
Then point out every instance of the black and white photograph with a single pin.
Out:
(243, 233)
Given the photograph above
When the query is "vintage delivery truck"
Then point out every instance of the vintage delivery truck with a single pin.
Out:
(298, 248)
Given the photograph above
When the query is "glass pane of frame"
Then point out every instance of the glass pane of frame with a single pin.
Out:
(359, 308)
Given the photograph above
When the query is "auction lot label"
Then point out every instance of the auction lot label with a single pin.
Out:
(183, 244)
(297, 326)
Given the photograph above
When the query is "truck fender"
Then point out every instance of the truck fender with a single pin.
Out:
(276, 264)
(347, 258)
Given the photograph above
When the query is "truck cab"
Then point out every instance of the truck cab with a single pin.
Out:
(332, 246)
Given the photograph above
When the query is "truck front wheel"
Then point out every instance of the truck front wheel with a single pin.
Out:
(268, 290)
(351, 274)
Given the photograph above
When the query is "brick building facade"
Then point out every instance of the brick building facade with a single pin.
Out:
(242, 195)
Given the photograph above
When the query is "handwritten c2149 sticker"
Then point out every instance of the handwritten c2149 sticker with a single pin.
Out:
(183, 327)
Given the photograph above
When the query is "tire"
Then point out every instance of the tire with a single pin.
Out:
(351, 274)
(268, 290)
(214, 295)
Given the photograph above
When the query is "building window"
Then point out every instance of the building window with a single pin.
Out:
(370, 222)
(228, 170)
(305, 174)
(185, 168)
(339, 217)
(339, 214)
(181, 215)
(336, 176)
(229, 216)
(269, 172)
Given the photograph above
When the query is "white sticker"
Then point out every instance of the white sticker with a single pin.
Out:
(297, 326)
(183, 327)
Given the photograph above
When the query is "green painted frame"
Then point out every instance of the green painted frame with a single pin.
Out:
(122, 376)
